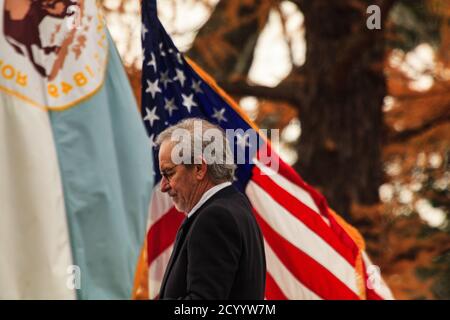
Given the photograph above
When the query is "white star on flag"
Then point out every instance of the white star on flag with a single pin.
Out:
(151, 116)
(152, 62)
(165, 78)
(153, 87)
(161, 50)
(196, 86)
(189, 102)
(170, 105)
(180, 77)
(219, 115)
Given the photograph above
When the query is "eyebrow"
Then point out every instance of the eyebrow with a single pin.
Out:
(167, 169)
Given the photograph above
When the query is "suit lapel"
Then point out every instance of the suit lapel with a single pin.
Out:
(178, 242)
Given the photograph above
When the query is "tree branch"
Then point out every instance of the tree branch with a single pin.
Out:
(406, 135)
(243, 88)
(291, 89)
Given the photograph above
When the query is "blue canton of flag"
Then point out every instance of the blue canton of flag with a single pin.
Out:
(173, 91)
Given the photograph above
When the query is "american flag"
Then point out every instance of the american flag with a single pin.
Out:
(311, 252)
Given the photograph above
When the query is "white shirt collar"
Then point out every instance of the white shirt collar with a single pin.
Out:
(208, 194)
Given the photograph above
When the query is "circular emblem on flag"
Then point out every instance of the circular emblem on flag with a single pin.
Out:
(53, 53)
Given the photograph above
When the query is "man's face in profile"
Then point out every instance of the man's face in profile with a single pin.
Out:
(177, 181)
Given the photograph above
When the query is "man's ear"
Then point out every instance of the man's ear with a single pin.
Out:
(200, 170)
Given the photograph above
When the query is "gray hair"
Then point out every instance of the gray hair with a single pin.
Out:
(218, 170)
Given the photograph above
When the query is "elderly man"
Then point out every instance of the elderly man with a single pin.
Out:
(219, 251)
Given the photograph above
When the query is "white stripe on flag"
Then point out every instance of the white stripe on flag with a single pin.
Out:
(288, 283)
(160, 204)
(298, 234)
(156, 272)
(34, 239)
(295, 190)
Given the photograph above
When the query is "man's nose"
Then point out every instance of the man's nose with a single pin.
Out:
(165, 186)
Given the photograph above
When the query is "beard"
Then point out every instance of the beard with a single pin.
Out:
(179, 205)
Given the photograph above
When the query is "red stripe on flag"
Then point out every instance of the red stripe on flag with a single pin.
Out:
(290, 174)
(283, 169)
(273, 291)
(308, 271)
(303, 213)
(162, 233)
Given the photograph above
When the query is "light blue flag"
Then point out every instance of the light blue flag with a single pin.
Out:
(106, 168)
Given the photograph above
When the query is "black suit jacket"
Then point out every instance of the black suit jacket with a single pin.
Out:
(218, 253)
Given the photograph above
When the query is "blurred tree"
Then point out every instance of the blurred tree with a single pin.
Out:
(338, 92)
